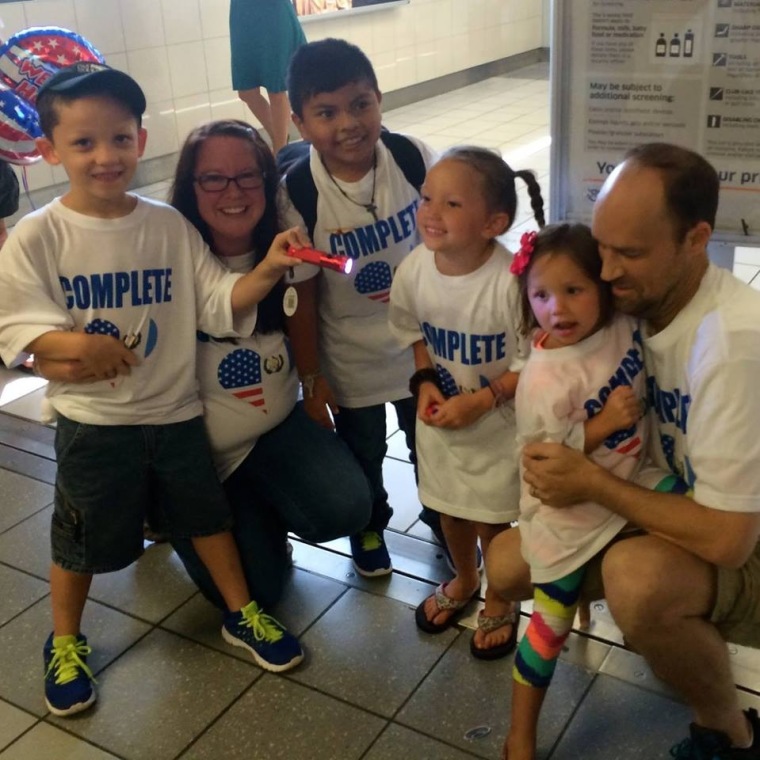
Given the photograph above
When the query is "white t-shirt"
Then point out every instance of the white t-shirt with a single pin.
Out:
(703, 371)
(469, 324)
(248, 387)
(147, 274)
(559, 390)
(362, 362)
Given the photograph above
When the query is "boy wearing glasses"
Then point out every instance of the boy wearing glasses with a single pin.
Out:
(119, 284)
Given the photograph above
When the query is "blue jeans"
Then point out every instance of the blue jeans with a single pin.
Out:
(364, 430)
(298, 478)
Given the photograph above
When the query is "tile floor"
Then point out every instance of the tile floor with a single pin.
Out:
(373, 687)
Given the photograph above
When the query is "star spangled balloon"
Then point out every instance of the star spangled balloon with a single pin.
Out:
(27, 60)
(19, 126)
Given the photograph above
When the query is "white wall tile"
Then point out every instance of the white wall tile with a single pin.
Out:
(184, 25)
(217, 53)
(161, 123)
(37, 175)
(14, 19)
(359, 34)
(119, 61)
(143, 24)
(406, 66)
(215, 18)
(226, 106)
(403, 33)
(150, 67)
(190, 112)
(385, 68)
(427, 62)
(442, 20)
(187, 65)
(50, 13)
(477, 18)
(99, 22)
(179, 49)
(383, 29)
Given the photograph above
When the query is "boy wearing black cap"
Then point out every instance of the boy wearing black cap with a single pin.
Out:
(117, 285)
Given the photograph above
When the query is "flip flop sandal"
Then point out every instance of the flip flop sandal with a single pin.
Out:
(443, 603)
(490, 623)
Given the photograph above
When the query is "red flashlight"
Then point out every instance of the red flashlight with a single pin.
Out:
(320, 258)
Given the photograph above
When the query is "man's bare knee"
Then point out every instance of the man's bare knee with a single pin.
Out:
(651, 582)
(507, 572)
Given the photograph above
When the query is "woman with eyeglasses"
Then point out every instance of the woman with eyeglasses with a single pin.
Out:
(281, 471)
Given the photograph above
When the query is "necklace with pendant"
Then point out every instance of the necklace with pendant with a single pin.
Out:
(369, 207)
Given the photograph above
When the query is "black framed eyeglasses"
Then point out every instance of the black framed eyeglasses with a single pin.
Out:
(218, 183)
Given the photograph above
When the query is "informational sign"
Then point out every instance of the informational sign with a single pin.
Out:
(627, 72)
(309, 10)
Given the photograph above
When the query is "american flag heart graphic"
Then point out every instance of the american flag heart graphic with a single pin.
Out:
(240, 373)
(102, 327)
(446, 381)
(374, 280)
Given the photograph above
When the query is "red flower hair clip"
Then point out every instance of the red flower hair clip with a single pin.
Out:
(522, 257)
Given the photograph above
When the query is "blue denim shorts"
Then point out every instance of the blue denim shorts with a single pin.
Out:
(110, 477)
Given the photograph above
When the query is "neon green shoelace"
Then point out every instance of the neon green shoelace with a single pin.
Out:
(265, 627)
(67, 661)
(370, 540)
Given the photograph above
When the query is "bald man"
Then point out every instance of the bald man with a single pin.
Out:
(690, 580)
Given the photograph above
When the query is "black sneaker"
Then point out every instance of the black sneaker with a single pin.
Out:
(706, 744)
(370, 554)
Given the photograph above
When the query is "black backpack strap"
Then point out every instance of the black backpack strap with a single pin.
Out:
(408, 157)
(300, 183)
(303, 192)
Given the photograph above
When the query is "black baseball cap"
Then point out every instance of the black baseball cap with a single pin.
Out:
(85, 76)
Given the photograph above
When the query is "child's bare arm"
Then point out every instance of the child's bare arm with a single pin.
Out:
(621, 410)
(467, 408)
(429, 396)
(255, 286)
(63, 371)
(318, 399)
(100, 356)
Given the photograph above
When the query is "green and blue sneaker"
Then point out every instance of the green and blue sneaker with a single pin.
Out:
(68, 681)
(272, 646)
(370, 554)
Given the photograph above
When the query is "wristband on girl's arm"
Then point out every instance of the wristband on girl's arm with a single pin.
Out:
(427, 375)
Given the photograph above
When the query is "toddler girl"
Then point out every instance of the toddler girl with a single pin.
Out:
(580, 386)
(455, 302)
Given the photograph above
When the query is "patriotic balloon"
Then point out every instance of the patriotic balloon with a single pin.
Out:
(27, 60)
(19, 126)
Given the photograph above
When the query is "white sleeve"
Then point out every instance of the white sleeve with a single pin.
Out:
(402, 319)
(30, 304)
(213, 292)
(723, 441)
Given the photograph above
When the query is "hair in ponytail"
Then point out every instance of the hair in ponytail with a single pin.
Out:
(498, 179)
